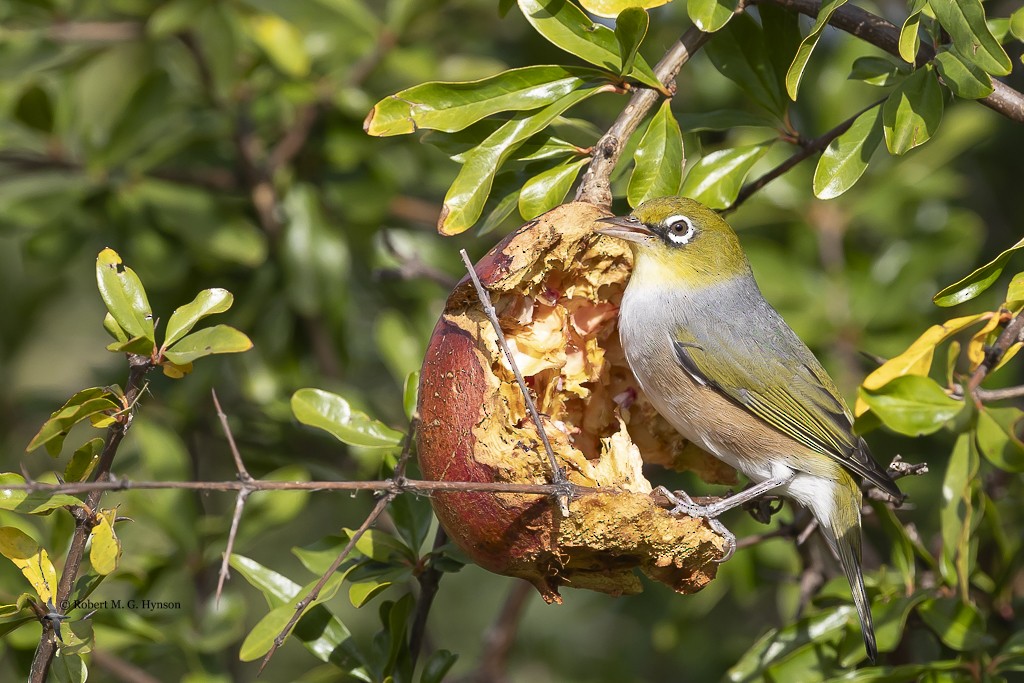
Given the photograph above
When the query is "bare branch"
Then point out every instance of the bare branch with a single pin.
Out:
(138, 366)
(428, 579)
(557, 474)
(595, 186)
(243, 474)
(880, 33)
(1011, 334)
(378, 509)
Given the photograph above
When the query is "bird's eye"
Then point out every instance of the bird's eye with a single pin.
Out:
(679, 229)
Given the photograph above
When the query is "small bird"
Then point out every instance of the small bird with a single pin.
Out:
(723, 367)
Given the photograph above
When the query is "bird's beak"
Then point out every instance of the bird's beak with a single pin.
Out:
(625, 228)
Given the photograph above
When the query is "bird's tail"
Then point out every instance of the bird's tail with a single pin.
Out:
(841, 529)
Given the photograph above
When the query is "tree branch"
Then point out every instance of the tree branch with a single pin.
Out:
(882, 34)
(429, 579)
(595, 187)
(1011, 334)
(138, 366)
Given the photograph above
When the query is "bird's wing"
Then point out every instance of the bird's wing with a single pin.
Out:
(797, 397)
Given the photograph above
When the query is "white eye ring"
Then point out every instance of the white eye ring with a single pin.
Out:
(675, 237)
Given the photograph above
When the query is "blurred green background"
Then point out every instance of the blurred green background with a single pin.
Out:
(220, 144)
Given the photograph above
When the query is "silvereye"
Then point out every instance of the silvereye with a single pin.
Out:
(723, 367)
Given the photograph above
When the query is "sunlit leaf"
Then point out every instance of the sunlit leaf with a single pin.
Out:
(912, 405)
(778, 644)
(611, 8)
(1015, 292)
(710, 15)
(658, 159)
(978, 281)
(452, 107)
(207, 341)
(998, 437)
(82, 406)
(411, 393)
(965, 22)
(68, 668)
(34, 502)
(546, 190)
(965, 78)
(105, 550)
(361, 593)
(1017, 24)
(716, 179)
(332, 413)
(846, 158)
(260, 639)
(567, 27)
(957, 513)
(912, 113)
(803, 52)
(467, 195)
(32, 560)
(630, 29)
(910, 41)
(184, 318)
(979, 340)
(122, 292)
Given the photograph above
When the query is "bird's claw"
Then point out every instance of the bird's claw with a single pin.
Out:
(683, 504)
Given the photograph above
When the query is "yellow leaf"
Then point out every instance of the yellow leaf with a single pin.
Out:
(611, 8)
(34, 563)
(106, 549)
(917, 359)
(976, 347)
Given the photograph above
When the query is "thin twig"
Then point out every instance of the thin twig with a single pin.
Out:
(807, 149)
(313, 594)
(225, 563)
(243, 474)
(557, 474)
(880, 33)
(138, 366)
(428, 579)
(595, 187)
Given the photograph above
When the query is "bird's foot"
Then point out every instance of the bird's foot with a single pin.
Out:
(683, 504)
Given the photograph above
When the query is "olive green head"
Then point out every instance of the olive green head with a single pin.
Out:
(679, 240)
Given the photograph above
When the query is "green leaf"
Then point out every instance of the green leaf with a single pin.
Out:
(978, 281)
(1017, 23)
(504, 203)
(105, 551)
(124, 295)
(965, 78)
(779, 644)
(630, 29)
(912, 405)
(113, 329)
(380, 546)
(68, 668)
(957, 515)
(361, 593)
(740, 53)
(876, 71)
(184, 318)
(846, 158)
(207, 341)
(957, 624)
(803, 52)
(332, 413)
(82, 406)
(437, 666)
(722, 119)
(658, 159)
(1015, 292)
(891, 619)
(84, 459)
(31, 503)
(999, 439)
(546, 190)
(137, 345)
(910, 41)
(912, 112)
(259, 640)
(716, 179)
(567, 27)
(710, 15)
(31, 559)
(452, 107)
(467, 195)
(411, 393)
(965, 22)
